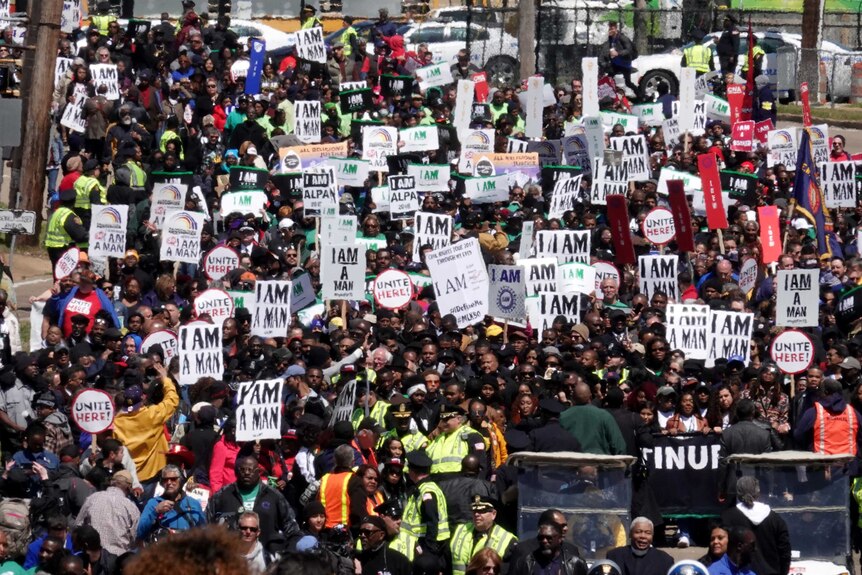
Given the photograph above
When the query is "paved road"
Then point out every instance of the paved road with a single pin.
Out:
(853, 137)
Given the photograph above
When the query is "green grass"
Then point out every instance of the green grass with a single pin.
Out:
(794, 5)
(852, 112)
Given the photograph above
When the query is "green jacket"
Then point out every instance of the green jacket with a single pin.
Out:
(595, 429)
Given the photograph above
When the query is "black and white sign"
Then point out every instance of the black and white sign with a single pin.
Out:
(392, 289)
(565, 245)
(342, 272)
(308, 121)
(106, 75)
(200, 352)
(688, 463)
(730, 336)
(216, 303)
(219, 261)
(73, 115)
(540, 275)
(319, 192)
(798, 298)
(545, 307)
(748, 275)
(460, 281)
(433, 230)
(93, 410)
(839, 184)
(688, 329)
(271, 315)
(635, 155)
(563, 198)
(310, 46)
(403, 197)
(507, 292)
(18, 222)
(258, 412)
(166, 340)
(658, 227)
(658, 273)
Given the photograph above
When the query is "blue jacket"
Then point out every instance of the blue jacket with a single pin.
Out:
(104, 301)
(725, 566)
(32, 559)
(185, 515)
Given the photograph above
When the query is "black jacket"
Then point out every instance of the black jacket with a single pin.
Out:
(654, 562)
(459, 492)
(278, 527)
(552, 438)
(742, 437)
(772, 556)
(570, 564)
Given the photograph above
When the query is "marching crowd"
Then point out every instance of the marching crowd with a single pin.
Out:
(414, 476)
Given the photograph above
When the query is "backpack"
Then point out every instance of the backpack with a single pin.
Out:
(633, 52)
(51, 501)
(15, 515)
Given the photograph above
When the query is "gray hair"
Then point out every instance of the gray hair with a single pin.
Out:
(747, 490)
(385, 352)
(171, 468)
(641, 519)
(344, 456)
(252, 514)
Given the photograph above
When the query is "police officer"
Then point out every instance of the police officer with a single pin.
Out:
(309, 20)
(425, 514)
(698, 56)
(455, 441)
(411, 440)
(87, 188)
(102, 19)
(758, 55)
(728, 46)
(765, 107)
(65, 228)
(551, 437)
(400, 539)
(470, 538)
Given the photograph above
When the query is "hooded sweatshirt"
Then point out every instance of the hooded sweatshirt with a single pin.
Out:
(59, 431)
(772, 555)
(834, 404)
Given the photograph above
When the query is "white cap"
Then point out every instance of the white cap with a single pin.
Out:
(801, 224)
(251, 150)
(285, 223)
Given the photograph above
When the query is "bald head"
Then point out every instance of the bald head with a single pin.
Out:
(583, 395)
(470, 466)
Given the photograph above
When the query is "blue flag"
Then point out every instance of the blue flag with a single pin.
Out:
(809, 196)
(255, 67)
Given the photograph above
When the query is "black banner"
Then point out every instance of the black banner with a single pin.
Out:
(740, 186)
(550, 175)
(356, 129)
(290, 184)
(683, 473)
(137, 28)
(311, 69)
(481, 113)
(186, 178)
(396, 85)
(356, 101)
(245, 178)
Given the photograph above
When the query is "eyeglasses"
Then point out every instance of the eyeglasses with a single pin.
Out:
(170, 479)
(368, 532)
(249, 528)
(490, 569)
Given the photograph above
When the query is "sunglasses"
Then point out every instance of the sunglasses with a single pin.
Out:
(247, 528)
(368, 532)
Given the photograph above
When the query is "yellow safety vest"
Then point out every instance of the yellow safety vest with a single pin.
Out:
(102, 21)
(311, 23)
(404, 543)
(463, 547)
(377, 413)
(57, 236)
(345, 39)
(168, 136)
(138, 177)
(698, 57)
(447, 451)
(757, 51)
(83, 187)
(411, 520)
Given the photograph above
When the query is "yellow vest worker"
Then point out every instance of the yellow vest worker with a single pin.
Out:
(334, 497)
(480, 533)
(399, 539)
(758, 54)
(455, 443)
(346, 38)
(309, 20)
(103, 19)
(699, 57)
(377, 411)
(426, 516)
(64, 227)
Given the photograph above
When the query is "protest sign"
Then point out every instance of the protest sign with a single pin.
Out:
(200, 352)
(526, 247)
(380, 198)
(688, 329)
(310, 46)
(319, 192)
(350, 171)
(590, 83)
(345, 404)
(70, 17)
(540, 275)
(396, 85)
(460, 281)
(549, 151)
(690, 464)
(742, 137)
(258, 411)
(434, 75)
(350, 86)
(356, 101)
(342, 272)
(106, 75)
(566, 192)
(338, 229)
(691, 183)
(545, 307)
(729, 336)
(735, 97)
(403, 197)
(167, 197)
(433, 230)
(806, 104)
(215, 303)
(575, 277)
(635, 155)
(515, 146)
(294, 158)
(534, 107)
(681, 216)
(819, 139)
(594, 133)
(551, 175)
(181, 237)
(839, 184)
(649, 114)
(748, 273)
(699, 126)
(480, 81)
(219, 261)
(576, 151)
(671, 131)
(474, 143)
(783, 146)
(716, 214)
(430, 177)
(244, 202)
(797, 298)
(487, 190)
(62, 66)
(792, 351)
(302, 293)
(565, 245)
(166, 340)
(93, 410)
(628, 122)
(73, 115)
(271, 314)
(307, 127)
(257, 54)
(392, 289)
(770, 233)
(739, 186)
(605, 270)
(717, 108)
(658, 273)
(687, 96)
(419, 139)
(506, 292)
(618, 219)
(658, 226)
(108, 230)
(377, 143)
(608, 180)
(463, 111)
(243, 299)
(762, 129)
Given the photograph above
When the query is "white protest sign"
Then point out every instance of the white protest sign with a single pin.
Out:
(243, 201)
(181, 237)
(605, 270)
(658, 227)
(717, 108)
(216, 303)
(108, 230)
(526, 246)
(430, 177)
(595, 135)
(607, 180)
(729, 336)
(688, 328)
(36, 309)
(658, 273)
(473, 144)
(576, 150)
(544, 308)
(792, 351)
(590, 83)
(819, 138)
(506, 292)
(783, 146)
(219, 261)
(839, 184)
(337, 229)
(565, 245)
(463, 112)
(307, 128)
(319, 192)
(271, 315)
(165, 339)
(671, 131)
(403, 197)
(392, 289)
(540, 275)
(60, 69)
(70, 17)
(575, 277)
(748, 275)
(702, 84)
(200, 352)
(649, 114)
(302, 293)
(433, 230)
(258, 412)
(345, 404)
(628, 122)
(310, 46)
(687, 97)
(351, 86)
(534, 107)
(434, 75)
(67, 263)
(93, 410)
(516, 146)
(380, 196)
(350, 171)
(635, 155)
(460, 281)
(73, 114)
(377, 143)
(106, 75)
(167, 197)
(691, 183)
(342, 272)
(797, 301)
(419, 139)
(563, 198)
(487, 190)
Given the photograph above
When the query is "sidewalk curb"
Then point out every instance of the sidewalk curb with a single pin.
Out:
(849, 124)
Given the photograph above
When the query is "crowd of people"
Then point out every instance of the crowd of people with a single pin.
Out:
(415, 477)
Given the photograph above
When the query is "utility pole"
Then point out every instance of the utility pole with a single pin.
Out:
(812, 34)
(30, 159)
(527, 37)
(640, 31)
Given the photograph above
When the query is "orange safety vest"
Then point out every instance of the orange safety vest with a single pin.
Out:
(334, 498)
(373, 502)
(835, 433)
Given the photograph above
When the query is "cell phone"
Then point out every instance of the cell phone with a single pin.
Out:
(27, 465)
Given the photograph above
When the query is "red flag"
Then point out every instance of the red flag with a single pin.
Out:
(716, 217)
(736, 100)
(748, 105)
(770, 233)
(681, 215)
(618, 217)
(806, 104)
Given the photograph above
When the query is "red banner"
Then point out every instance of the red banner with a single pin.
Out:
(481, 86)
(736, 98)
(770, 233)
(716, 216)
(762, 129)
(806, 104)
(618, 218)
(742, 137)
(748, 105)
(681, 215)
